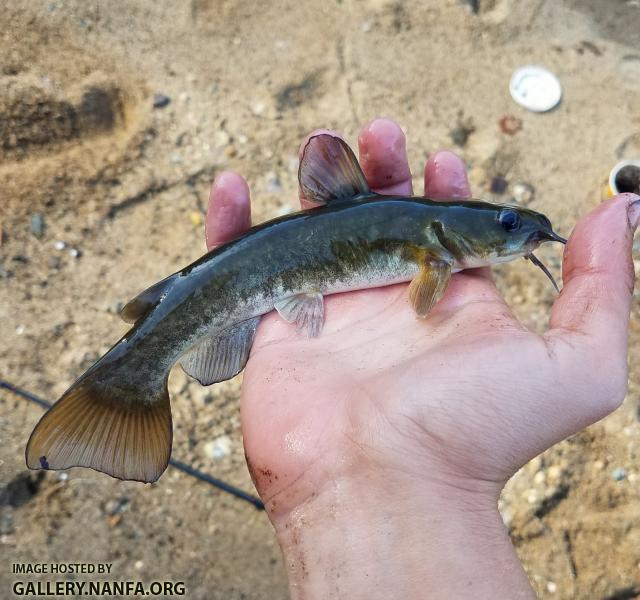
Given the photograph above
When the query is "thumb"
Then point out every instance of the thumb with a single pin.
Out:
(592, 312)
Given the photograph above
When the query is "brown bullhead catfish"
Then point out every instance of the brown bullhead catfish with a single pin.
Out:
(116, 418)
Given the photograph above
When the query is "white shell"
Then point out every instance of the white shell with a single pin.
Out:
(535, 88)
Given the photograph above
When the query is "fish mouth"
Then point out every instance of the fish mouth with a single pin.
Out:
(546, 236)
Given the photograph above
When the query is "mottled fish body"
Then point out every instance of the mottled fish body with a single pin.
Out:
(116, 418)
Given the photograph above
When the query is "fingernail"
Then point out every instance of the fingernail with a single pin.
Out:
(633, 211)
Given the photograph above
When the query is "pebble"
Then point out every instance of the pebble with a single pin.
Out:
(551, 587)
(523, 193)
(160, 100)
(75, 253)
(499, 185)
(618, 474)
(138, 565)
(539, 477)
(554, 473)
(59, 245)
(114, 507)
(37, 225)
(510, 124)
(460, 135)
(20, 329)
(195, 217)
(218, 448)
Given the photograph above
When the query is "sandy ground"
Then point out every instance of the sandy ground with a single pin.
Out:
(124, 184)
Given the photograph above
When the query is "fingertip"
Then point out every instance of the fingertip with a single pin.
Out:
(445, 177)
(228, 210)
(383, 157)
(598, 273)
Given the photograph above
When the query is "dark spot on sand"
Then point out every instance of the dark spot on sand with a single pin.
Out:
(21, 489)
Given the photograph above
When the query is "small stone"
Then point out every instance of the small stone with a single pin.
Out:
(523, 193)
(62, 476)
(195, 217)
(37, 225)
(59, 245)
(539, 477)
(230, 151)
(598, 465)
(218, 448)
(460, 135)
(499, 185)
(138, 565)
(20, 329)
(510, 124)
(618, 474)
(75, 253)
(258, 108)
(114, 507)
(632, 477)
(160, 100)
(551, 587)
(554, 472)
(242, 139)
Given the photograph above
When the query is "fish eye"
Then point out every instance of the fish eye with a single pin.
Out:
(509, 219)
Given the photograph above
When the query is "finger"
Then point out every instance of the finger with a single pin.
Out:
(598, 277)
(229, 209)
(304, 203)
(383, 157)
(445, 177)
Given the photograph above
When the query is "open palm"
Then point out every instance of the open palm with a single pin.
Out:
(468, 393)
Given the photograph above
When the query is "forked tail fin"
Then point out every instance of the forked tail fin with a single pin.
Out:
(119, 430)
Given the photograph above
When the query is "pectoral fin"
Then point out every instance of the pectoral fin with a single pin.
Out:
(305, 310)
(221, 357)
(428, 286)
(329, 171)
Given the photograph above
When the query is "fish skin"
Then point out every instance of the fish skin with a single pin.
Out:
(116, 418)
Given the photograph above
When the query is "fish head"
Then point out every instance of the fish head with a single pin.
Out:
(490, 234)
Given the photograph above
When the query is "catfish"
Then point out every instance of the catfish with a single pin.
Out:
(116, 418)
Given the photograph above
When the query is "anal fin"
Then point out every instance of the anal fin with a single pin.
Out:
(223, 356)
(305, 310)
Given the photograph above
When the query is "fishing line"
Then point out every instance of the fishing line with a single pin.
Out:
(177, 464)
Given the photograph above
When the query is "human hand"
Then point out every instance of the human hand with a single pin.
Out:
(388, 438)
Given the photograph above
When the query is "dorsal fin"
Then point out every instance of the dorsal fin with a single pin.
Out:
(139, 306)
(329, 171)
